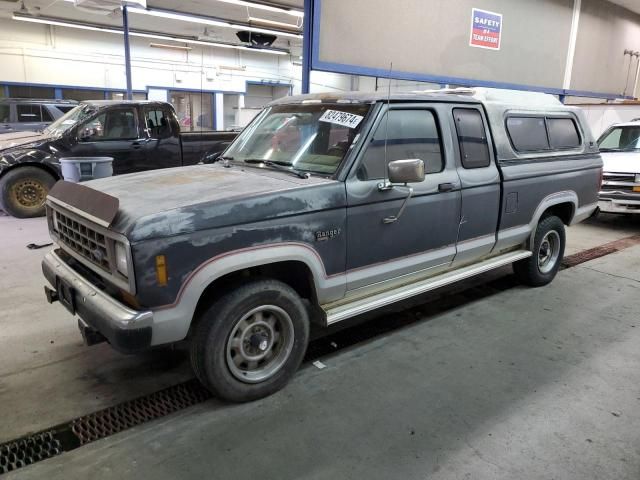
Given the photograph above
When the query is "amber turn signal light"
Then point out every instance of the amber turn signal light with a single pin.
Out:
(161, 270)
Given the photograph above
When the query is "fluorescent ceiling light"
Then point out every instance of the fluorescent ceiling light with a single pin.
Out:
(104, 29)
(262, 6)
(170, 47)
(207, 21)
(274, 23)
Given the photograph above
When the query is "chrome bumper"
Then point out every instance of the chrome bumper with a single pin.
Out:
(126, 330)
(619, 205)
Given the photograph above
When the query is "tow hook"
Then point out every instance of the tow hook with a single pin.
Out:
(90, 335)
(52, 295)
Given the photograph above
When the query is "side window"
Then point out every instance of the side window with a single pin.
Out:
(528, 133)
(563, 133)
(28, 113)
(46, 115)
(157, 123)
(408, 134)
(474, 149)
(5, 116)
(112, 125)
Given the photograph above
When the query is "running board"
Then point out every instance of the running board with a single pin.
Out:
(361, 305)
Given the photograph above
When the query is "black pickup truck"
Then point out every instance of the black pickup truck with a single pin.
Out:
(139, 135)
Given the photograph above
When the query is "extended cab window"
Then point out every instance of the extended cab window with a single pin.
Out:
(474, 149)
(29, 113)
(528, 133)
(563, 133)
(158, 123)
(409, 134)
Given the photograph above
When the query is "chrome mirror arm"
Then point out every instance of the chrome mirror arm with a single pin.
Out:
(394, 218)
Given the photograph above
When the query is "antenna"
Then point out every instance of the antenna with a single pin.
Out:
(386, 128)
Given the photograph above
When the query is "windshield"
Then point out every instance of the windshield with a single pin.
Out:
(69, 119)
(309, 138)
(622, 139)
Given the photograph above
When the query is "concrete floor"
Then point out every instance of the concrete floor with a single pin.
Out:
(523, 383)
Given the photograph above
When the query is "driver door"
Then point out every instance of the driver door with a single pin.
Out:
(424, 236)
(113, 133)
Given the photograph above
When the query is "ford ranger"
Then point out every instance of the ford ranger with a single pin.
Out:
(325, 207)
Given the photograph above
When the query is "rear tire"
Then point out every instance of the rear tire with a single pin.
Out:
(548, 250)
(23, 191)
(250, 342)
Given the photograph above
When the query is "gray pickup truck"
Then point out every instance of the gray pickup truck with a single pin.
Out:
(325, 207)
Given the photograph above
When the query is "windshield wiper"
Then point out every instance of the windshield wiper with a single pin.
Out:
(279, 165)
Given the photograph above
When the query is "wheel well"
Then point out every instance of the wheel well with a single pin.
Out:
(564, 211)
(41, 166)
(294, 273)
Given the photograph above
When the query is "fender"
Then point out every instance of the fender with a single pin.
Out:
(34, 157)
(566, 196)
(172, 321)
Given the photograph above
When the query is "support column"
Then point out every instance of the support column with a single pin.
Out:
(127, 54)
(306, 45)
(571, 50)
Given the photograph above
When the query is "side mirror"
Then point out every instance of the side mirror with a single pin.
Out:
(406, 171)
(86, 133)
(211, 157)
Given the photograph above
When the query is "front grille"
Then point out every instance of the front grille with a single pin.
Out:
(619, 177)
(82, 239)
(617, 188)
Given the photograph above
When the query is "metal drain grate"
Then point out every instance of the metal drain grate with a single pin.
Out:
(600, 251)
(140, 410)
(23, 452)
(103, 423)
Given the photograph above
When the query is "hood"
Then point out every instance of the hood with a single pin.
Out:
(621, 162)
(178, 200)
(16, 139)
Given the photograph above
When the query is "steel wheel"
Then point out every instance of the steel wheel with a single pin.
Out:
(29, 193)
(259, 344)
(549, 251)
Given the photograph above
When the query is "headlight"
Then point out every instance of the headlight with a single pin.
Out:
(121, 259)
(637, 178)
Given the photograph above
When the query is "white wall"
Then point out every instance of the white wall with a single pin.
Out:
(42, 54)
(602, 116)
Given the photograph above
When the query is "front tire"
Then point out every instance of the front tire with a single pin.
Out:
(23, 191)
(548, 250)
(250, 342)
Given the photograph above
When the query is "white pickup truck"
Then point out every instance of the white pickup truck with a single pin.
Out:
(620, 150)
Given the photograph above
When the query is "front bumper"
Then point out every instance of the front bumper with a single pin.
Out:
(619, 205)
(127, 330)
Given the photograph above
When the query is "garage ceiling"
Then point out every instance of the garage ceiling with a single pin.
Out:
(66, 10)
(633, 5)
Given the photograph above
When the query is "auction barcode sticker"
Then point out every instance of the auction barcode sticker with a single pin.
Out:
(341, 118)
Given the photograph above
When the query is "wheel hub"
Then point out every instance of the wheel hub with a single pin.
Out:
(259, 344)
(29, 193)
(549, 251)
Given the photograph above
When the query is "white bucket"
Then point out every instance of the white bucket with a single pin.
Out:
(79, 169)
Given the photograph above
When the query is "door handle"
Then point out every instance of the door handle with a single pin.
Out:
(446, 187)
(136, 145)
